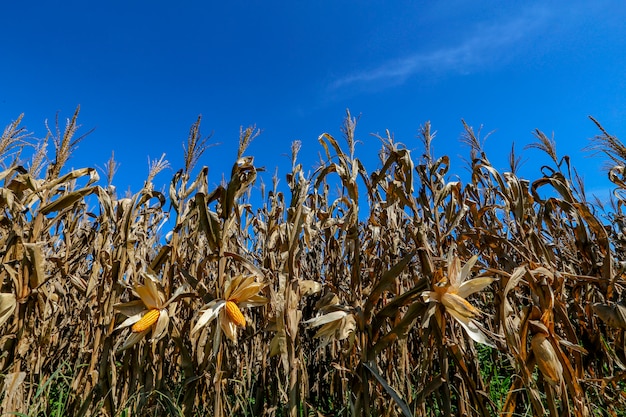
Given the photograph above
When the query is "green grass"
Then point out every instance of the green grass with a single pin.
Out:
(496, 371)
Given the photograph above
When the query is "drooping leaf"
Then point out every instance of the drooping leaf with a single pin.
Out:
(391, 391)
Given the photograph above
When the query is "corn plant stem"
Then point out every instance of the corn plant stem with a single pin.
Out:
(363, 401)
(294, 380)
(444, 365)
(64, 292)
(550, 400)
(159, 368)
(218, 406)
(221, 272)
(293, 386)
(294, 383)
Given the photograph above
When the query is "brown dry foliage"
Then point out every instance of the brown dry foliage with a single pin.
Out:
(344, 254)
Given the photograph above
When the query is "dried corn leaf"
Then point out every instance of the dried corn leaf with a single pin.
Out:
(391, 391)
(471, 328)
(67, 200)
(36, 260)
(387, 280)
(614, 315)
(13, 391)
(309, 287)
(401, 330)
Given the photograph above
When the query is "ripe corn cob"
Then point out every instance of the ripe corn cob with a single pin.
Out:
(234, 314)
(146, 321)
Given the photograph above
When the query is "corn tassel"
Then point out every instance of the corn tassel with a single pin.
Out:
(234, 314)
(146, 321)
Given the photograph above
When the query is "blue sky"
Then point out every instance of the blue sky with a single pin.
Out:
(143, 71)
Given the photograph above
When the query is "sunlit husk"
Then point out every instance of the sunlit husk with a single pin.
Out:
(244, 289)
(208, 313)
(474, 285)
(150, 293)
(228, 326)
(7, 306)
(133, 339)
(459, 305)
(470, 327)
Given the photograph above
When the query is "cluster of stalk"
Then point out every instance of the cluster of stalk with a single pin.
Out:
(340, 293)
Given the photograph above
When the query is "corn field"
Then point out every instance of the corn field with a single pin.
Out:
(392, 292)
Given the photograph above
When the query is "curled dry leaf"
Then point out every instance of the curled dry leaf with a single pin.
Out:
(337, 322)
(13, 389)
(613, 315)
(337, 325)
(309, 287)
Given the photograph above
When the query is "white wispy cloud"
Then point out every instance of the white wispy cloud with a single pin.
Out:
(487, 46)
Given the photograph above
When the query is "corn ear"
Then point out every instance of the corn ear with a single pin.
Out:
(234, 314)
(459, 305)
(146, 321)
(547, 359)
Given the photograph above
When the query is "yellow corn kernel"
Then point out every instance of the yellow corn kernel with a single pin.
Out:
(146, 321)
(234, 314)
